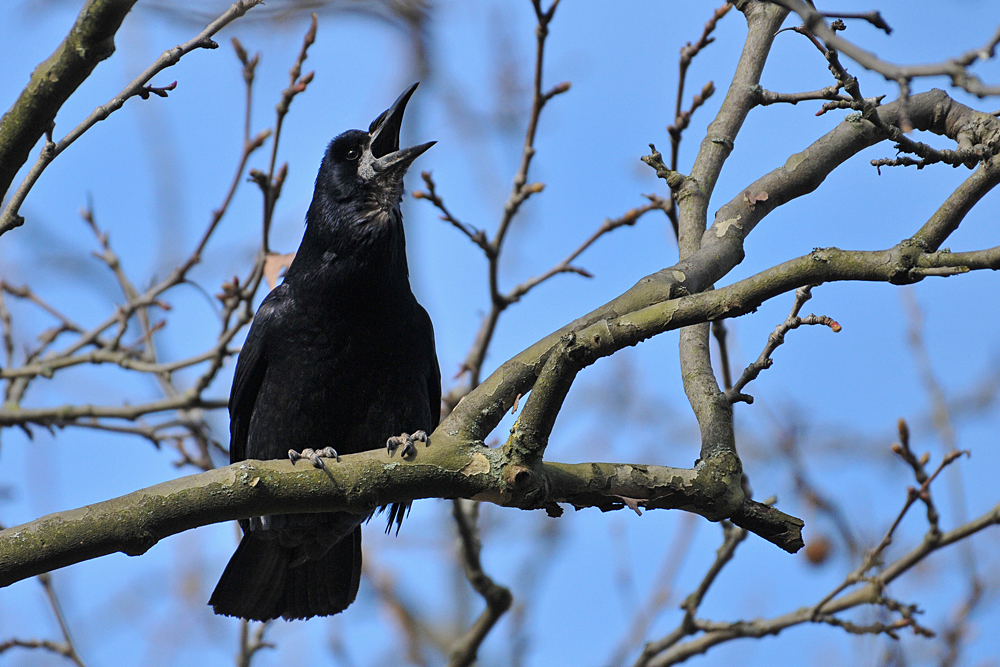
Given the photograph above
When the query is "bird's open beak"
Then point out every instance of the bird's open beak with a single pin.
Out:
(384, 132)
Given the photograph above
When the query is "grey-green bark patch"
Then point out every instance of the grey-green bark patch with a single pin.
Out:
(478, 465)
(794, 161)
(722, 227)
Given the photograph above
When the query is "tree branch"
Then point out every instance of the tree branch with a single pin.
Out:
(446, 469)
(460, 466)
(956, 68)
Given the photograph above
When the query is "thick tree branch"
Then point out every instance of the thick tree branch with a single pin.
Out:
(455, 465)
(763, 21)
(361, 482)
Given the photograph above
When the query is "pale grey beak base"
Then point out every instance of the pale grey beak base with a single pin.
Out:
(401, 158)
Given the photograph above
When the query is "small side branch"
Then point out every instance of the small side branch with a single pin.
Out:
(671, 650)
(477, 236)
(875, 18)
(251, 642)
(732, 537)
(793, 321)
(270, 184)
(674, 179)
(530, 433)
(830, 93)
(682, 117)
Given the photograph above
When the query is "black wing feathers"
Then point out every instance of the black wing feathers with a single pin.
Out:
(250, 369)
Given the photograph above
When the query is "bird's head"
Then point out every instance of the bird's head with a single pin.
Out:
(366, 169)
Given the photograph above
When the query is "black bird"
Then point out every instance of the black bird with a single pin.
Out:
(340, 357)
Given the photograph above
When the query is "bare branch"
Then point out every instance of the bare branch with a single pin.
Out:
(683, 118)
(767, 98)
(251, 642)
(270, 184)
(875, 18)
(477, 236)
(793, 321)
(956, 68)
(361, 482)
(65, 648)
(629, 218)
(870, 593)
(732, 536)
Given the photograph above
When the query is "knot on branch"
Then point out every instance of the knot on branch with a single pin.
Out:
(529, 488)
(674, 179)
(904, 262)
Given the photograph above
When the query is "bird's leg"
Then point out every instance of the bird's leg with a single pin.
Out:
(405, 440)
(314, 455)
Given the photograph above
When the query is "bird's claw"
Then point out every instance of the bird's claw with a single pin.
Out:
(316, 456)
(405, 441)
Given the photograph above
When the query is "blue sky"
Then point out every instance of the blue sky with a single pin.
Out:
(156, 169)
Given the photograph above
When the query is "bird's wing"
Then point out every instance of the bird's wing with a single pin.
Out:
(250, 369)
(433, 374)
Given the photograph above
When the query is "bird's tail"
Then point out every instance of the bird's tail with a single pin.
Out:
(260, 583)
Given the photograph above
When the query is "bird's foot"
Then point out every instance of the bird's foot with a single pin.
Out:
(405, 441)
(314, 455)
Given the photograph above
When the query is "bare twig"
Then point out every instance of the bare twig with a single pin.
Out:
(521, 190)
(789, 446)
(732, 536)
(141, 356)
(683, 118)
(767, 98)
(943, 424)
(660, 593)
(874, 557)
(65, 648)
(270, 184)
(719, 333)
(629, 218)
(670, 650)
(416, 632)
(793, 321)
(498, 598)
(956, 68)
(477, 236)
(251, 642)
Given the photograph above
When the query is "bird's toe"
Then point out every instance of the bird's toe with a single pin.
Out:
(395, 442)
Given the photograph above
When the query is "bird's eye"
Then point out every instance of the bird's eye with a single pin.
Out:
(352, 154)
